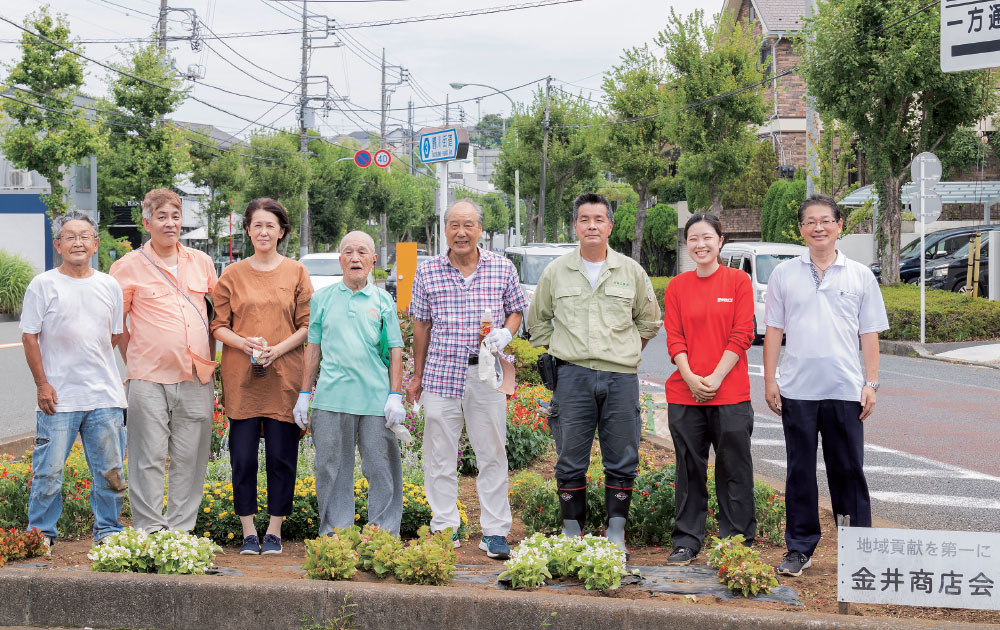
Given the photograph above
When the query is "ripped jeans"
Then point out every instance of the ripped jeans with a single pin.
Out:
(102, 432)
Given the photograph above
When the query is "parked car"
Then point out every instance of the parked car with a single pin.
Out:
(530, 261)
(393, 277)
(937, 245)
(758, 260)
(951, 273)
(324, 269)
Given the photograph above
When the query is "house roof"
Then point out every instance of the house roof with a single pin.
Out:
(776, 16)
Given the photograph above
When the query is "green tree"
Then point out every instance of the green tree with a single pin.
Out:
(714, 135)
(222, 174)
(284, 177)
(139, 151)
(639, 149)
(332, 190)
(489, 131)
(748, 190)
(836, 156)
(872, 65)
(47, 133)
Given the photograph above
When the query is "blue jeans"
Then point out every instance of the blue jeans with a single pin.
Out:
(102, 432)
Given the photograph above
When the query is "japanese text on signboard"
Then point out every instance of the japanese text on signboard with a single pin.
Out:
(918, 567)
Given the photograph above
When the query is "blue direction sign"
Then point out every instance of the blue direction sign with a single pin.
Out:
(441, 145)
(362, 158)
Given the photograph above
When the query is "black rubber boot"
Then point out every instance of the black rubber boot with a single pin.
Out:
(573, 502)
(617, 499)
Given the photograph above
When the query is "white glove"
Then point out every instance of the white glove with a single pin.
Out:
(394, 411)
(498, 339)
(301, 411)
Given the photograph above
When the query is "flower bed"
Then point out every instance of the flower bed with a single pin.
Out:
(428, 559)
(15, 488)
(651, 514)
(131, 551)
(594, 560)
(17, 544)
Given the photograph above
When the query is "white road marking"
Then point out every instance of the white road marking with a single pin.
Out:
(755, 370)
(937, 500)
(898, 471)
(908, 376)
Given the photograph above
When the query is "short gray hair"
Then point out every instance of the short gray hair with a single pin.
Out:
(475, 206)
(365, 236)
(72, 215)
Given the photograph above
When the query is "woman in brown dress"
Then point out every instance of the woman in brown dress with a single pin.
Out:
(262, 316)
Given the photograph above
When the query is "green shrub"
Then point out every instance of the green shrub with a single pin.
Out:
(15, 274)
(525, 361)
(109, 244)
(660, 286)
(379, 273)
(740, 567)
(785, 228)
(950, 316)
(429, 559)
(769, 209)
(331, 557)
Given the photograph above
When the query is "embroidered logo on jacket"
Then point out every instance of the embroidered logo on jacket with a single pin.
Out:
(725, 299)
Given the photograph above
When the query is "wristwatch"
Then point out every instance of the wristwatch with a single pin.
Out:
(872, 384)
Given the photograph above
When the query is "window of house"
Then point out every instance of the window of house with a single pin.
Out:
(81, 175)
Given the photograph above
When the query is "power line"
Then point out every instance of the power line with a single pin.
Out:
(237, 53)
(457, 14)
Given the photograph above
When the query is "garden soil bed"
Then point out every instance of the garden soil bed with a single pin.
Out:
(816, 588)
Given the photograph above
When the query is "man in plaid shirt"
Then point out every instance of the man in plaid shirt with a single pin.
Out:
(450, 294)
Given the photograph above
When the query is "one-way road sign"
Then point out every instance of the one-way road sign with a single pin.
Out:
(970, 34)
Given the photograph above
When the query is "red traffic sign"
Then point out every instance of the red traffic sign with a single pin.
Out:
(362, 158)
(382, 158)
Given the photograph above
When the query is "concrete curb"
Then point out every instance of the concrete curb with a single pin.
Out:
(16, 445)
(917, 350)
(7, 317)
(54, 598)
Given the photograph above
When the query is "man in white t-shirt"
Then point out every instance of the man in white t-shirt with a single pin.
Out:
(70, 321)
(823, 304)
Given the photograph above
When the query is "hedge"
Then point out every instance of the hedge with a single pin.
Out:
(949, 317)
(15, 274)
(660, 286)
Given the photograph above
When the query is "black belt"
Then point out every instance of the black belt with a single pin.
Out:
(474, 359)
(560, 361)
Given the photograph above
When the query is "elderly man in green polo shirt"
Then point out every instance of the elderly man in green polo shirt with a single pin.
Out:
(595, 310)
(358, 399)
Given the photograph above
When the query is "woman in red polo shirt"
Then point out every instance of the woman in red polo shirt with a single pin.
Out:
(708, 316)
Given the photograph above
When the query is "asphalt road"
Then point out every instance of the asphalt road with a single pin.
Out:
(17, 390)
(931, 453)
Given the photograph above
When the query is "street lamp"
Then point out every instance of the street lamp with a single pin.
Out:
(517, 172)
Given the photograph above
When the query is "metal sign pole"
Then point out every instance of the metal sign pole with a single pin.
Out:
(923, 253)
(442, 173)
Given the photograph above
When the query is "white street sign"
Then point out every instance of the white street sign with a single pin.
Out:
(927, 167)
(915, 567)
(927, 206)
(970, 35)
(439, 146)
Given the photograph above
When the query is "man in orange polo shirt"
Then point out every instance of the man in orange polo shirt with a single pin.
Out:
(169, 368)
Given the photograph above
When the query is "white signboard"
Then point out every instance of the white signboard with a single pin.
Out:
(916, 567)
(970, 35)
(439, 146)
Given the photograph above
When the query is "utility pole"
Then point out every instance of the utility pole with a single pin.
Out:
(545, 155)
(447, 108)
(409, 137)
(304, 230)
(163, 26)
(381, 142)
(812, 164)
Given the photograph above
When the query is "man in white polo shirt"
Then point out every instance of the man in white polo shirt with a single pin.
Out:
(822, 303)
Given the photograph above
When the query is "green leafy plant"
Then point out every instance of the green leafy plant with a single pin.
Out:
(17, 544)
(377, 550)
(111, 249)
(528, 568)
(331, 557)
(429, 559)
(594, 560)
(132, 551)
(740, 567)
(950, 316)
(15, 274)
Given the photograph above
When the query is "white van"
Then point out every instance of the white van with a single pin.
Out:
(759, 260)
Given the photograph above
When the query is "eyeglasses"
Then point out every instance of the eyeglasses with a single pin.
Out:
(812, 224)
(76, 238)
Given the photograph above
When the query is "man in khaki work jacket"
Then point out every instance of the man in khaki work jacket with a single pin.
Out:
(595, 310)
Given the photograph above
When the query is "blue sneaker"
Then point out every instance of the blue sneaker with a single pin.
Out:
(250, 546)
(271, 545)
(496, 547)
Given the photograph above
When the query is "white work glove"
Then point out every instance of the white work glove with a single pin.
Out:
(498, 339)
(301, 411)
(394, 411)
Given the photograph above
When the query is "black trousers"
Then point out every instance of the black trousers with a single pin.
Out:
(844, 453)
(605, 402)
(281, 457)
(727, 428)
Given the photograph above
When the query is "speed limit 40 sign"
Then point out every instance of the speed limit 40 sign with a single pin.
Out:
(382, 158)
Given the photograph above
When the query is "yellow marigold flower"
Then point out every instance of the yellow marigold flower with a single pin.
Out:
(206, 534)
(357, 516)
(207, 510)
(309, 520)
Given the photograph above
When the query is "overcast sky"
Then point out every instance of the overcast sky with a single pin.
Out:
(574, 42)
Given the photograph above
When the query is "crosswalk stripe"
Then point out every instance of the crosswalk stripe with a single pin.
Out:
(938, 500)
(899, 471)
